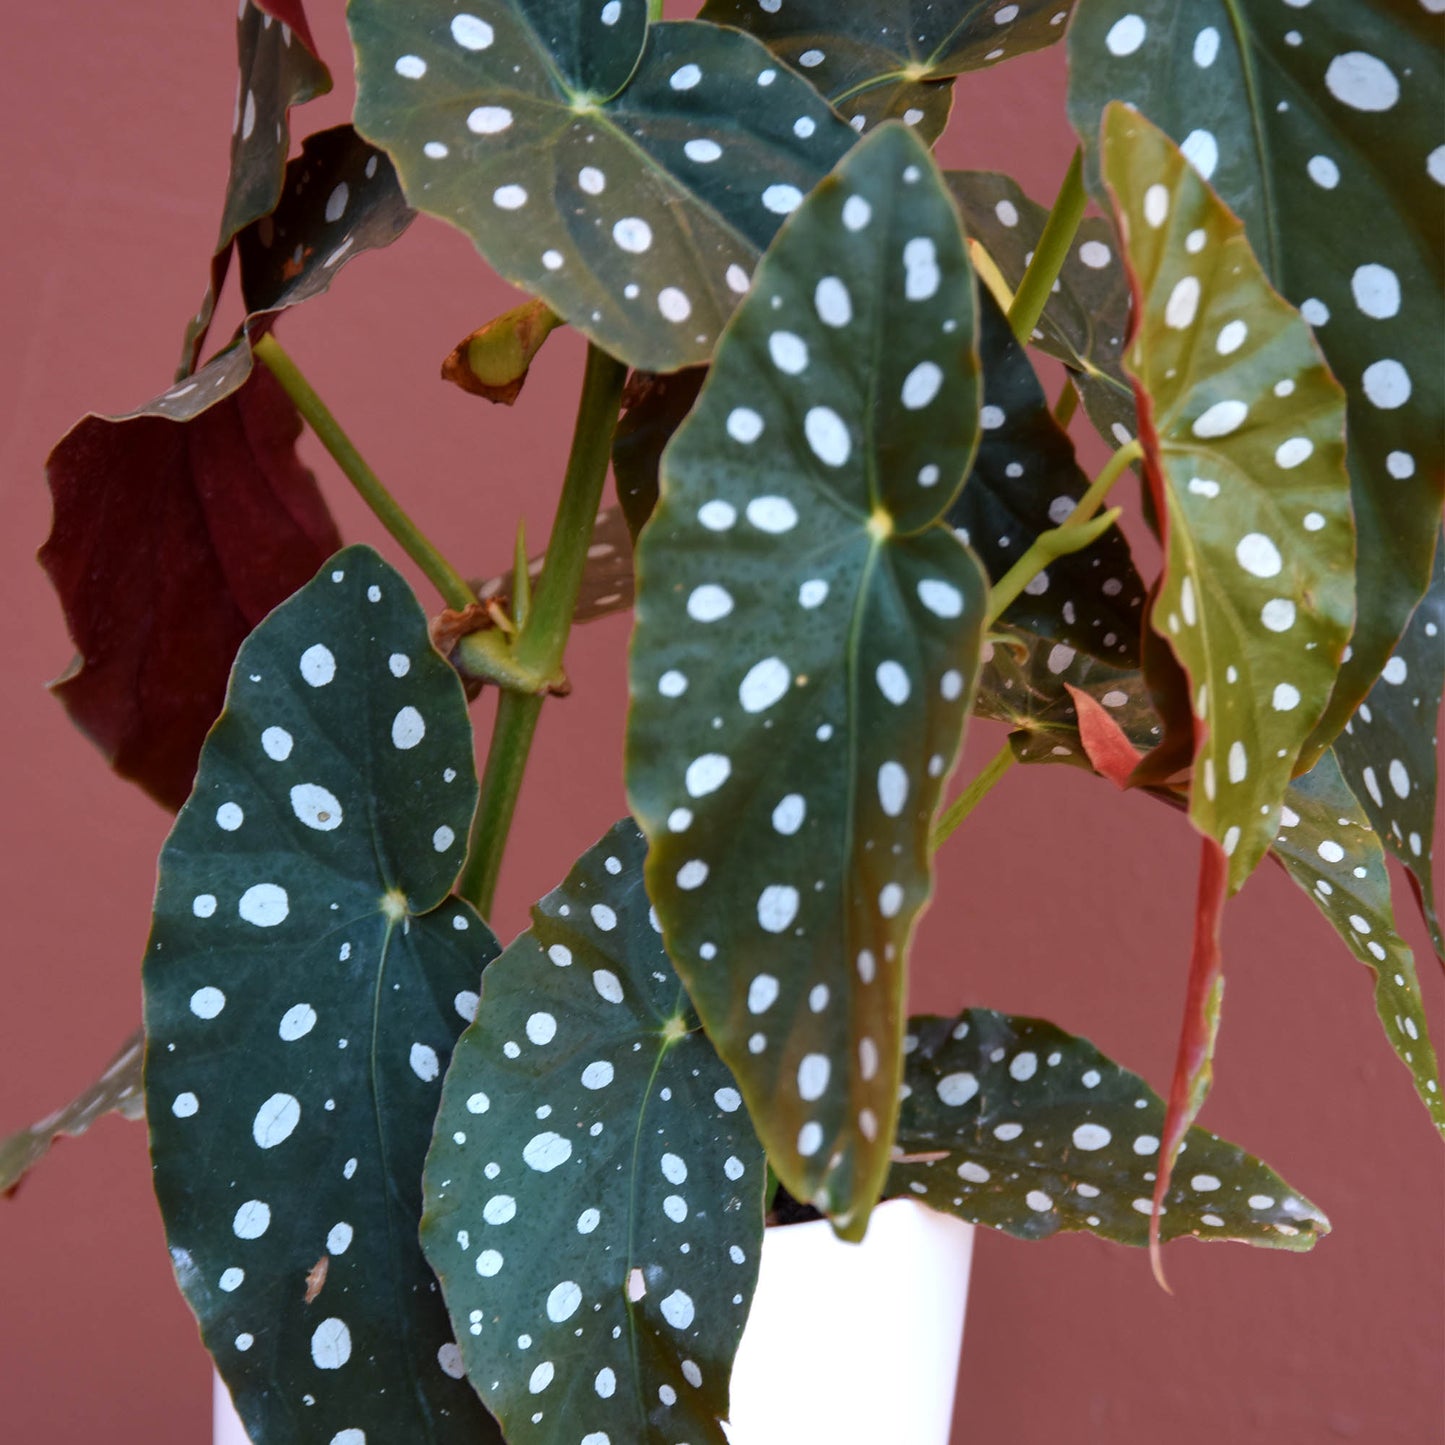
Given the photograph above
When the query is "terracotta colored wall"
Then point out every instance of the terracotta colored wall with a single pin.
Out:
(1061, 898)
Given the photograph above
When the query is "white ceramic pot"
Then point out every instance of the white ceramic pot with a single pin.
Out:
(855, 1344)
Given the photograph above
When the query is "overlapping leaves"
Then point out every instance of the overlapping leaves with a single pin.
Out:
(1320, 127)
(894, 59)
(595, 1190)
(807, 638)
(306, 978)
(1012, 1123)
(629, 176)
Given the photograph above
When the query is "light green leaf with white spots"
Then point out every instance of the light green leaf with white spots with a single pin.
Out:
(631, 185)
(305, 980)
(595, 1190)
(1328, 847)
(807, 639)
(1014, 1124)
(894, 59)
(1323, 127)
(1243, 429)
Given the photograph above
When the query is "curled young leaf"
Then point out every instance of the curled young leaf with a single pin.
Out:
(494, 360)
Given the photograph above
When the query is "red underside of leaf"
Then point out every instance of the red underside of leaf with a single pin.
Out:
(1106, 743)
(1192, 1063)
(290, 12)
(171, 541)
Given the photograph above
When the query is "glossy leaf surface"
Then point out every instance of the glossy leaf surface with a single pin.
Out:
(894, 59)
(117, 1090)
(177, 529)
(1014, 1124)
(1328, 847)
(1243, 428)
(631, 186)
(595, 1190)
(306, 978)
(1320, 127)
(807, 638)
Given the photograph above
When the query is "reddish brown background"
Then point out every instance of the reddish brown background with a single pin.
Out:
(1061, 897)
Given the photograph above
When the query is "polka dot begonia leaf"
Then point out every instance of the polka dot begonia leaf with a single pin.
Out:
(630, 185)
(1389, 750)
(595, 1189)
(654, 407)
(1243, 429)
(1025, 480)
(1014, 1124)
(1323, 127)
(806, 644)
(894, 59)
(1328, 847)
(1085, 322)
(306, 978)
(117, 1090)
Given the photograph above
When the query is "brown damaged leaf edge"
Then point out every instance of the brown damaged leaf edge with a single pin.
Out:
(494, 360)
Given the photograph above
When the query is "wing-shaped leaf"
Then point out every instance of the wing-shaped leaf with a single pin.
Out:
(177, 529)
(1321, 130)
(1243, 429)
(116, 1091)
(654, 407)
(306, 978)
(595, 1190)
(1388, 749)
(1012, 1123)
(1025, 481)
(630, 187)
(807, 639)
(894, 59)
(1328, 847)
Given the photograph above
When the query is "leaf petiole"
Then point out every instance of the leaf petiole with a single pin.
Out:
(977, 790)
(1048, 259)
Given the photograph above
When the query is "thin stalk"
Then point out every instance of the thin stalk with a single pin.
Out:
(442, 575)
(1053, 248)
(542, 639)
(1066, 405)
(971, 796)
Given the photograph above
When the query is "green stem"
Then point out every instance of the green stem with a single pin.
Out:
(1066, 405)
(1049, 256)
(972, 796)
(542, 639)
(443, 576)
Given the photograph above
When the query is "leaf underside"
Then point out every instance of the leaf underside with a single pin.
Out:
(807, 638)
(306, 978)
(595, 1190)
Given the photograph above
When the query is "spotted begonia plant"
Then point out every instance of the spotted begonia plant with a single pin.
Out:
(421, 1186)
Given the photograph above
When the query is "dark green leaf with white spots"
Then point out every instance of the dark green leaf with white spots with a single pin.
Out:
(1243, 428)
(341, 198)
(1328, 847)
(1321, 127)
(1012, 1123)
(1025, 481)
(594, 1193)
(306, 978)
(654, 407)
(116, 1091)
(1389, 750)
(634, 201)
(894, 59)
(1085, 322)
(806, 645)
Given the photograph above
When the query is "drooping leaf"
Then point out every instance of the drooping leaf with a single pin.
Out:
(1012, 1123)
(494, 360)
(306, 979)
(654, 407)
(807, 639)
(894, 59)
(116, 1091)
(1388, 750)
(177, 529)
(595, 1190)
(276, 73)
(1320, 128)
(629, 176)
(340, 198)
(1085, 323)
(1243, 431)
(1025, 481)
(1328, 847)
